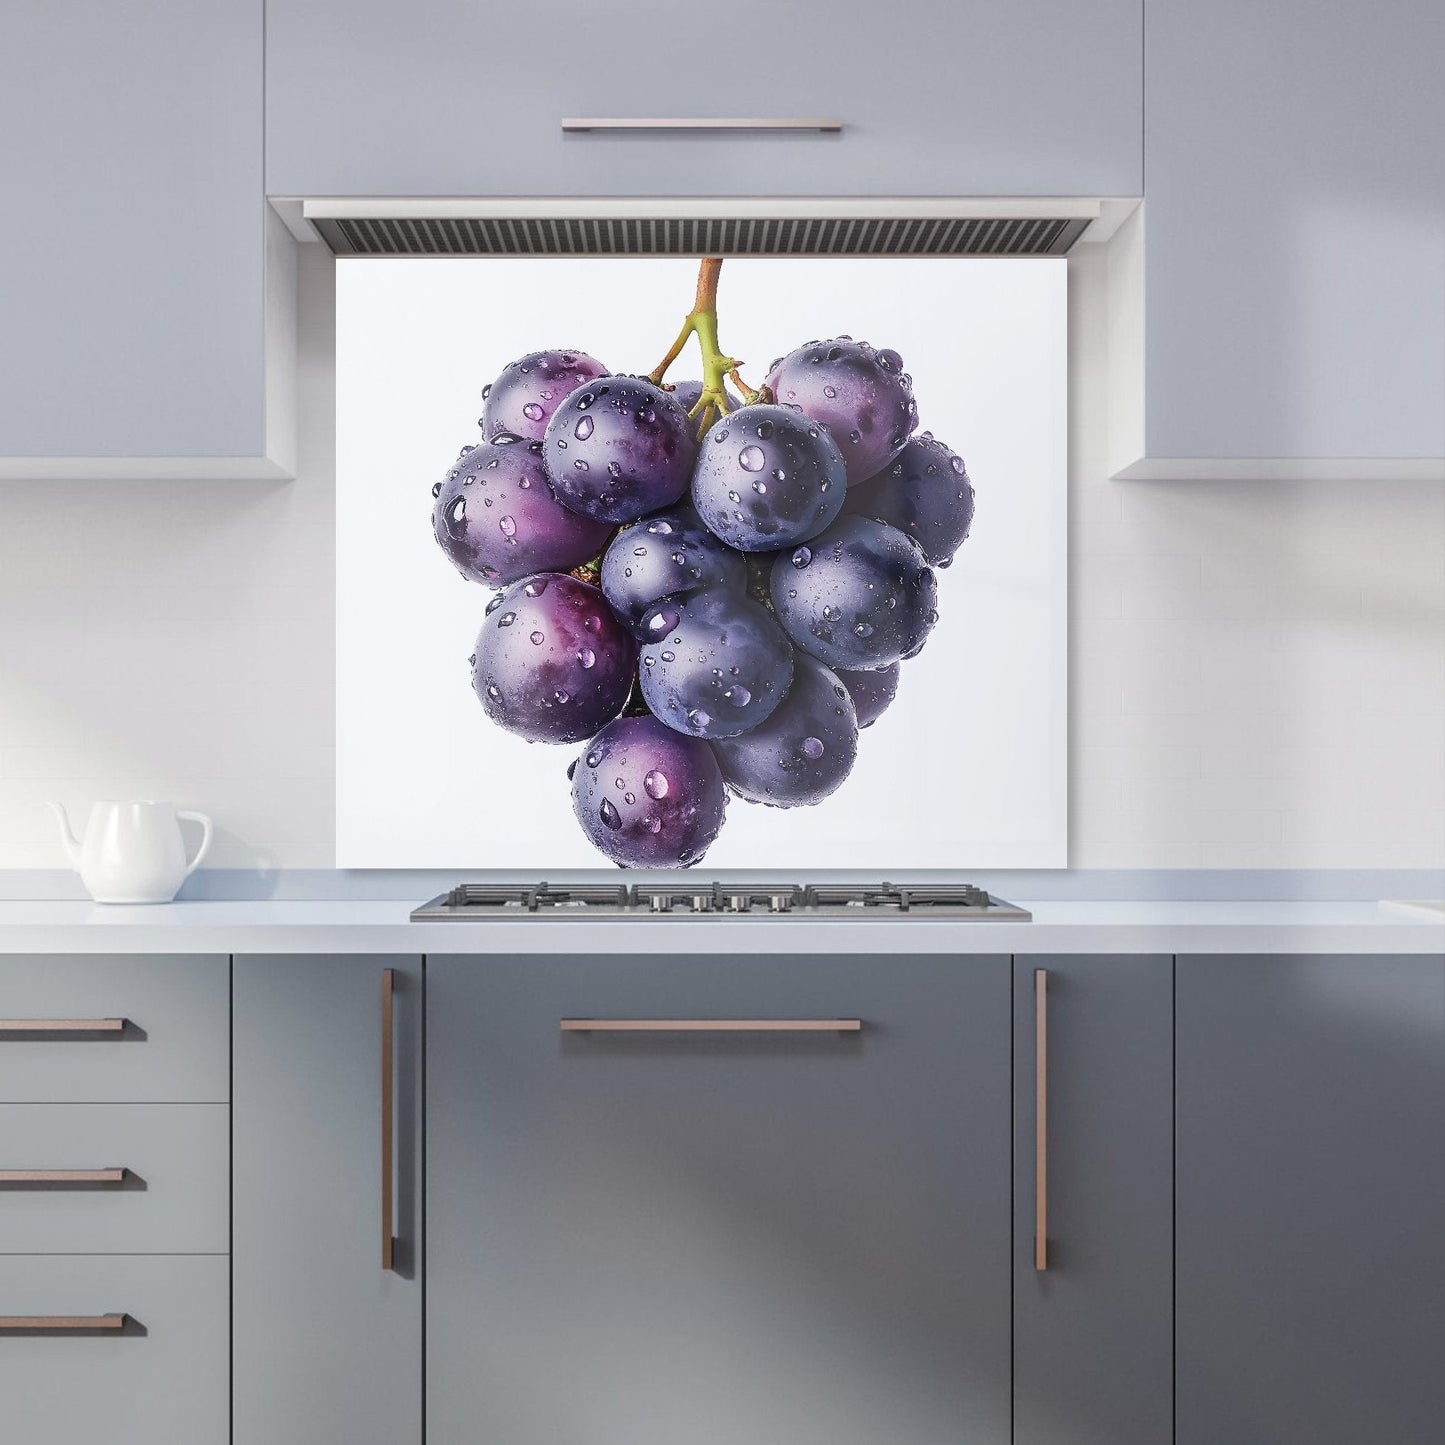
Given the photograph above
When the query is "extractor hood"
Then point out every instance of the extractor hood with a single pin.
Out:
(775, 226)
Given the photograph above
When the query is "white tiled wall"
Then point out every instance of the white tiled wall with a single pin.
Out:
(1258, 669)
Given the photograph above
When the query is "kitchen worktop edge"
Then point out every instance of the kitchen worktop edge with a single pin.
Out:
(383, 927)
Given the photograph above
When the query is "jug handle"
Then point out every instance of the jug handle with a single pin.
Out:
(201, 852)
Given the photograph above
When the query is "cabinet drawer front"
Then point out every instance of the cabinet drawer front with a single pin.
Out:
(162, 1377)
(171, 1198)
(746, 1221)
(173, 1046)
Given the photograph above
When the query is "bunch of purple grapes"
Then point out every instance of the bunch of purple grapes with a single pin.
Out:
(708, 617)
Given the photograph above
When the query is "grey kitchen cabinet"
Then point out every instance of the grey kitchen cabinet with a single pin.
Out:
(1293, 259)
(129, 1028)
(450, 98)
(172, 1197)
(1310, 1192)
(1093, 1350)
(640, 1237)
(160, 1376)
(145, 297)
(326, 1341)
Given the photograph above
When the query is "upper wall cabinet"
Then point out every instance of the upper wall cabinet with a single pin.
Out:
(942, 97)
(137, 267)
(1294, 241)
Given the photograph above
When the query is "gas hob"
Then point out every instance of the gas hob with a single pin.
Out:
(476, 901)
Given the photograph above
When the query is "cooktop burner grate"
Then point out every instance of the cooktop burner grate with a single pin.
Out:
(721, 900)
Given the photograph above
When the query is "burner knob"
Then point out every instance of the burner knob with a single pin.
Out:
(659, 903)
(780, 903)
(701, 902)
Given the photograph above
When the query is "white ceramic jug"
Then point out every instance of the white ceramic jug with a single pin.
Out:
(133, 852)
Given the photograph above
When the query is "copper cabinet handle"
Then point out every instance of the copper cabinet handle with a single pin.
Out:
(1041, 1118)
(63, 1176)
(77, 1323)
(711, 1026)
(388, 1119)
(85, 1028)
(701, 124)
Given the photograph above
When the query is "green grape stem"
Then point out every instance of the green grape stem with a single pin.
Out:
(717, 367)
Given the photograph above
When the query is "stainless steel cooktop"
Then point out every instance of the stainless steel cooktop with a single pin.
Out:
(473, 901)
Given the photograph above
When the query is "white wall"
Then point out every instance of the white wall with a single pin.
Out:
(1258, 669)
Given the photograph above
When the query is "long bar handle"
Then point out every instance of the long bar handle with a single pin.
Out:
(84, 1027)
(73, 1323)
(388, 1118)
(63, 1176)
(702, 124)
(711, 1026)
(1041, 1119)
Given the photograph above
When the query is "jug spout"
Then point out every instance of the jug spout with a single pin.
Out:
(68, 840)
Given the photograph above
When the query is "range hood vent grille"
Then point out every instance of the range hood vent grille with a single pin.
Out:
(711, 236)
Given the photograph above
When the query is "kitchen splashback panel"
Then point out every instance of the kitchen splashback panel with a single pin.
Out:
(454, 746)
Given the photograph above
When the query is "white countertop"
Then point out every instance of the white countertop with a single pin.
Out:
(383, 927)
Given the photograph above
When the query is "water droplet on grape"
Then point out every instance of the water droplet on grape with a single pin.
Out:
(490, 573)
(698, 718)
(486, 391)
(751, 459)
(629, 798)
(583, 429)
(506, 619)
(436, 490)
(855, 436)
(738, 695)
(493, 691)
(614, 469)
(508, 526)
(594, 757)
(655, 784)
(765, 429)
(586, 657)
(812, 748)
(533, 412)
(830, 391)
(653, 825)
(495, 603)
(802, 556)
(611, 818)
(561, 696)
(660, 527)
(538, 639)
(669, 657)
(779, 475)
(536, 587)
(584, 401)
(649, 662)
(571, 770)
(932, 615)
(864, 629)
(580, 465)
(760, 487)
(457, 512)
(505, 439)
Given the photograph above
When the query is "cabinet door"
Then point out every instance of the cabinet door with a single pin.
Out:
(1310, 1191)
(327, 1343)
(945, 97)
(1295, 247)
(1093, 1353)
(642, 1238)
(134, 276)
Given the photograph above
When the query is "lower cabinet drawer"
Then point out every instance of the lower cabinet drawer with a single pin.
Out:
(114, 1178)
(162, 1376)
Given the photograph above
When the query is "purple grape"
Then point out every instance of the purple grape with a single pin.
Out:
(871, 691)
(802, 752)
(768, 477)
(687, 393)
(924, 491)
(531, 388)
(618, 449)
(860, 596)
(552, 663)
(646, 796)
(668, 555)
(496, 518)
(863, 396)
(713, 664)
